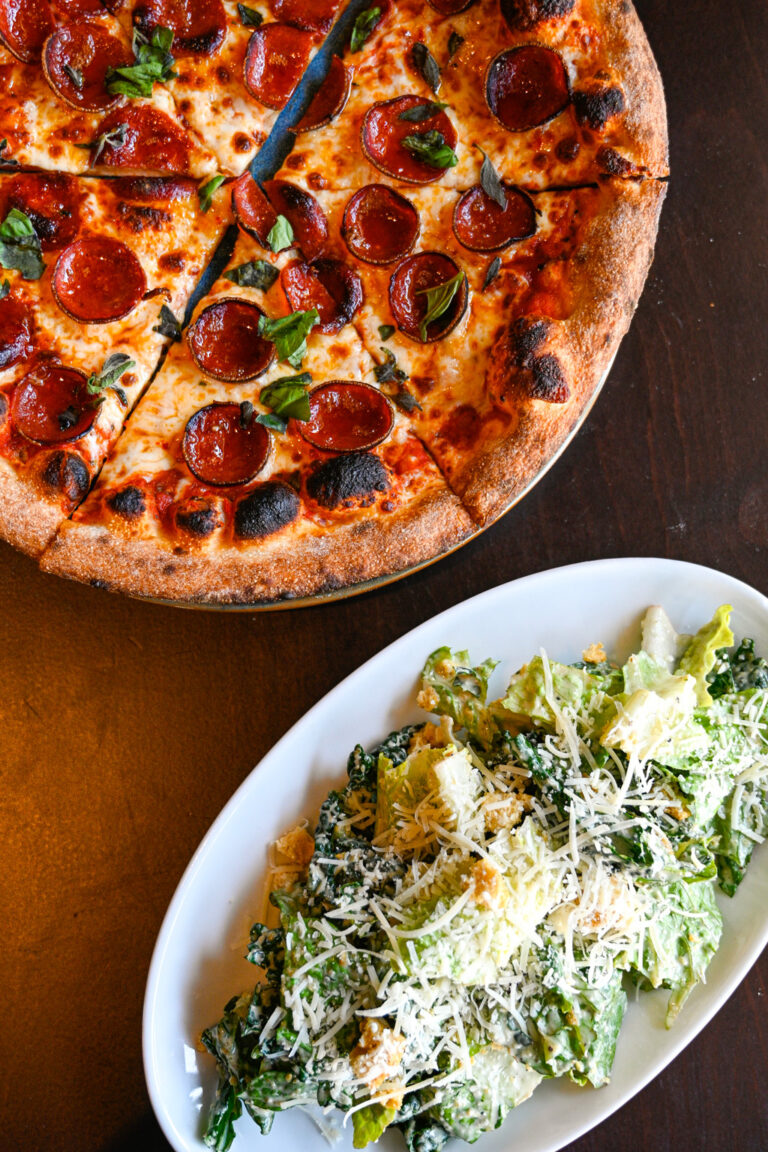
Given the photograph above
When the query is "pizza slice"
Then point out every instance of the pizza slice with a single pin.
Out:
(234, 70)
(96, 273)
(63, 107)
(263, 463)
(558, 100)
(499, 351)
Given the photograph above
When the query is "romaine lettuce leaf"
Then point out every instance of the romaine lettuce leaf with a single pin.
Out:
(444, 774)
(526, 703)
(451, 686)
(498, 1083)
(700, 656)
(679, 941)
(741, 823)
(660, 640)
(574, 1027)
(368, 1124)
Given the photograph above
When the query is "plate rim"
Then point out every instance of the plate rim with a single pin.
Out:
(727, 984)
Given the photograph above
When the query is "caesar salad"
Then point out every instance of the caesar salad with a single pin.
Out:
(473, 908)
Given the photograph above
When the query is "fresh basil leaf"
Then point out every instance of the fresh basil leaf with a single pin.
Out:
(208, 191)
(406, 400)
(114, 139)
(154, 64)
(249, 16)
(427, 65)
(20, 246)
(113, 368)
(492, 272)
(246, 413)
(362, 28)
(168, 326)
(288, 397)
(75, 76)
(423, 111)
(431, 148)
(491, 181)
(289, 334)
(439, 301)
(454, 43)
(254, 274)
(388, 372)
(280, 235)
(5, 288)
(269, 420)
(386, 330)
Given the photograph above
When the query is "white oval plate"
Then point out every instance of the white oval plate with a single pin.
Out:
(198, 960)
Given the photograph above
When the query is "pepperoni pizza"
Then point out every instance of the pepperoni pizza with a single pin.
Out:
(416, 312)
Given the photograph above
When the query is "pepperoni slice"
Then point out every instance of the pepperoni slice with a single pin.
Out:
(331, 286)
(276, 60)
(225, 342)
(408, 288)
(253, 211)
(481, 225)
(25, 25)
(450, 7)
(76, 60)
(52, 405)
(312, 15)
(379, 225)
(329, 99)
(221, 448)
(142, 138)
(382, 136)
(198, 26)
(257, 211)
(526, 86)
(52, 203)
(15, 331)
(346, 416)
(302, 212)
(97, 280)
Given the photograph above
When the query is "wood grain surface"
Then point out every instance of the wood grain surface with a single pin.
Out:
(126, 726)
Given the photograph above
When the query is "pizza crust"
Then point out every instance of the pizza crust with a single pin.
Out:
(27, 521)
(281, 567)
(610, 268)
(630, 53)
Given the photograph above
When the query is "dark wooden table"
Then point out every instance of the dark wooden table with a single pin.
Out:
(126, 726)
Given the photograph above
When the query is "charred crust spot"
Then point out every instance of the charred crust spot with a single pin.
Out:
(139, 217)
(548, 381)
(523, 15)
(67, 473)
(199, 520)
(169, 569)
(526, 336)
(594, 109)
(128, 503)
(266, 510)
(348, 479)
(612, 163)
(241, 142)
